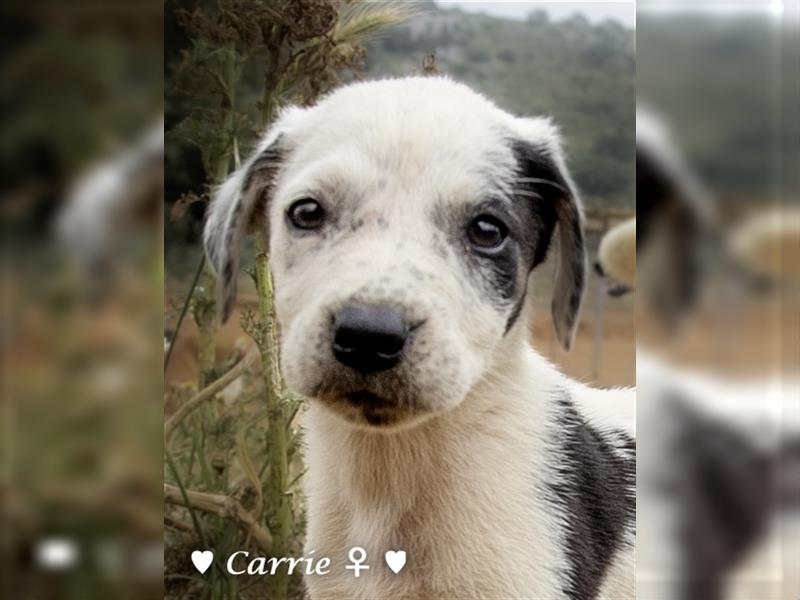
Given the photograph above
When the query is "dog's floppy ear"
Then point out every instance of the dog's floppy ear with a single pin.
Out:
(544, 180)
(239, 206)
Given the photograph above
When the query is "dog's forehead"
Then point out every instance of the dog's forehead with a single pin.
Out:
(417, 126)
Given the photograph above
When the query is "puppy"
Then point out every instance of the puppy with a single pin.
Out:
(404, 219)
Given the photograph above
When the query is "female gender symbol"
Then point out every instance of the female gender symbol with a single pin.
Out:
(357, 555)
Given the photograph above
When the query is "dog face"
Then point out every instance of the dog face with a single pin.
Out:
(404, 218)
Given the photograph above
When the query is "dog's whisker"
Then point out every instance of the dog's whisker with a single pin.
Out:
(527, 193)
(543, 181)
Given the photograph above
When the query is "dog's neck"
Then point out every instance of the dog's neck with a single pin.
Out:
(451, 491)
(509, 403)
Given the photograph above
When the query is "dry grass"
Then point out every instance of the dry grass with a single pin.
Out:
(216, 481)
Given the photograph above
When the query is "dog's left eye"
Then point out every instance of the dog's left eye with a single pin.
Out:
(306, 214)
(487, 232)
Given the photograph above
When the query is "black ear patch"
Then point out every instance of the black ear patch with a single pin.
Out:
(544, 185)
(538, 186)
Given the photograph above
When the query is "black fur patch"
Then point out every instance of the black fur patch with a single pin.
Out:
(497, 271)
(515, 312)
(724, 491)
(540, 188)
(544, 188)
(503, 271)
(539, 196)
(594, 489)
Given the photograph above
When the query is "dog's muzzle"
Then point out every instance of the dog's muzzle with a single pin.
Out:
(369, 339)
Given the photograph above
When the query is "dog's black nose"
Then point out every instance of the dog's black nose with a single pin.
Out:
(369, 339)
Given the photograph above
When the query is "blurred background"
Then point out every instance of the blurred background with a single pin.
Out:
(718, 300)
(81, 162)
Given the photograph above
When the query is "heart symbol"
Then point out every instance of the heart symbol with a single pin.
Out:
(202, 560)
(396, 560)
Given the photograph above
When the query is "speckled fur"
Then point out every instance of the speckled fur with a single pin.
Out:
(460, 471)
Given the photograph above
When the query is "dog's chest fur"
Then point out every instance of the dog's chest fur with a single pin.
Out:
(469, 496)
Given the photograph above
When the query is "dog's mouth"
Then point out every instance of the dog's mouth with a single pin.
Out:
(367, 399)
(366, 408)
(374, 409)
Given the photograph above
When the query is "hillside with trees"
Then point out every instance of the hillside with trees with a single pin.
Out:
(582, 74)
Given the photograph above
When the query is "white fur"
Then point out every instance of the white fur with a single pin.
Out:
(459, 480)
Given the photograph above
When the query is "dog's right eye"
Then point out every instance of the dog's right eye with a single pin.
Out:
(306, 214)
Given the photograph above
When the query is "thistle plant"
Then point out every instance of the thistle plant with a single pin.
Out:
(295, 51)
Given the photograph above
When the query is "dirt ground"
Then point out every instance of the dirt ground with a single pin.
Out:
(611, 364)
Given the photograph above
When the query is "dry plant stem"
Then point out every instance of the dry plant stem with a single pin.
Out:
(277, 480)
(208, 393)
(206, 303)
(224, 507)
(229, 80)
(177, 524)
(205, 313)
(198, 272)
